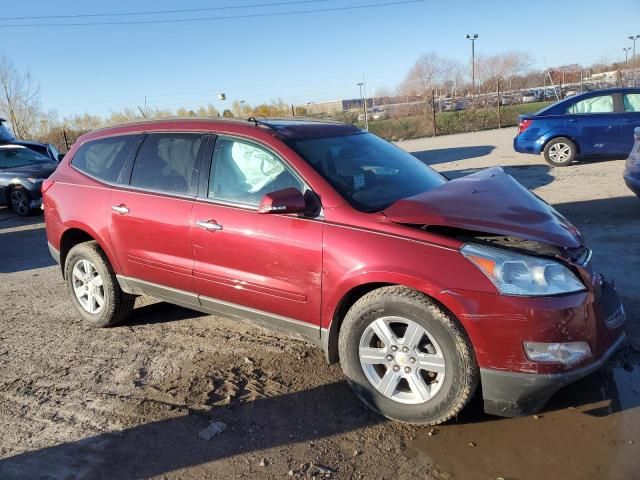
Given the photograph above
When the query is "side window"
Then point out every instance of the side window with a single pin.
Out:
(165, 162)
(242, 172)
(600, 104)
(631, 102)
(104, 158)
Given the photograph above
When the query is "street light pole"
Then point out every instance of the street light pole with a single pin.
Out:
(473, 39)
(364, 105)
(626, 57)
(633, 38)
(242, 106)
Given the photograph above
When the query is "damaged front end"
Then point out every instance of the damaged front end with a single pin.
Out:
(555, 320)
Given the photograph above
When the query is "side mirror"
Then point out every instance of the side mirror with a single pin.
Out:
(287, 200)
(60, 156)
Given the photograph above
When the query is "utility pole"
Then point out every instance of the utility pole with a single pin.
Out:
(473, 39)
(433, 113)
(499, 112)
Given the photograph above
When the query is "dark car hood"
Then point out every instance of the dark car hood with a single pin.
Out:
(38, 170)
(489, 201)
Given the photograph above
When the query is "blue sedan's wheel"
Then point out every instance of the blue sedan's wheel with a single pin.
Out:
(560, 152)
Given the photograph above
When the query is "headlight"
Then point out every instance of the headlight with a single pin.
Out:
(516, 274)
(568, 353)
(35, 180)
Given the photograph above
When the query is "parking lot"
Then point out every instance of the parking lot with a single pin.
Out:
(129, 401)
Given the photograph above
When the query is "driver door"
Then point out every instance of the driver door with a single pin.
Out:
(248, 261)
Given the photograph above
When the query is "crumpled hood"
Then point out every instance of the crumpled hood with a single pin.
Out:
(489, 201)
(39, 170)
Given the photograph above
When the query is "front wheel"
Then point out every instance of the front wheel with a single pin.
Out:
(406, 358)
(20, 201)
(560, 152)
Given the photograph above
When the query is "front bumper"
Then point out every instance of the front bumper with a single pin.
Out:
(511, 394)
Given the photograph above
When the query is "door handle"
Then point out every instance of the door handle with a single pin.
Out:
(209, 225)
(121, 209)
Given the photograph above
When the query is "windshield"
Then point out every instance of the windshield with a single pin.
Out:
(369, 172)
(20, 157)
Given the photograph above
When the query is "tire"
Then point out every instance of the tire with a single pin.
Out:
(83, 265)
(20, 200)
(560, 152)
(443, 337)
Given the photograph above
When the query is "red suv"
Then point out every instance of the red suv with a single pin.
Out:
(421, 288)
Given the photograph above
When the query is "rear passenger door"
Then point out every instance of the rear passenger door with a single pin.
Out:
(149, 224)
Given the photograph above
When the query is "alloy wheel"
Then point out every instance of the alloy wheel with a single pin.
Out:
(88, 286)
(402, 360)
(19, 202)
(559, 152)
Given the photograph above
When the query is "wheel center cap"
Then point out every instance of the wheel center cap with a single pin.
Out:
(402, 358)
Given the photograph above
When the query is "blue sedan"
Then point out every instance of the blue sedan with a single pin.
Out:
(594, 123)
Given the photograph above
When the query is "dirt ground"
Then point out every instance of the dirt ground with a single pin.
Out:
(130, 401)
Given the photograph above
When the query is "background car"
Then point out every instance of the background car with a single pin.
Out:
(593, 123)
(46, 149)
(379, 114)
(529, 97)
(632, 168)
(22, 172)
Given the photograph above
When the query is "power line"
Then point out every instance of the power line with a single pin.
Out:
(164, 12)
(205, 19)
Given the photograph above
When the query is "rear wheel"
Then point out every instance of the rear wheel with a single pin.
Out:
(406, 358)
(560, 152)
(93, 286)
(20, 200)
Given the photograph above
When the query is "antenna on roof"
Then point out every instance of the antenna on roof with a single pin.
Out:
(253, 119)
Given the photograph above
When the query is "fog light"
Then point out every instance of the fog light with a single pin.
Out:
(568, 353)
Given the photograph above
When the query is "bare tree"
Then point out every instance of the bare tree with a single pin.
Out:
(427, 72)
(19, 99)
(503, 67)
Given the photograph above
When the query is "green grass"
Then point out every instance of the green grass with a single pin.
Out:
(452, 122)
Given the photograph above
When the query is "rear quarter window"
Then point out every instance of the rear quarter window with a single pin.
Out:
(104, 158)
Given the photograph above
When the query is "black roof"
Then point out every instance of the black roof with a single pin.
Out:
(299, 128)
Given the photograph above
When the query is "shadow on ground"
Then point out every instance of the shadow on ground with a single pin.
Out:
(22, 250)
(264, 423)
(531, 176)
(604, 210)
(445, 155)
(159, 312)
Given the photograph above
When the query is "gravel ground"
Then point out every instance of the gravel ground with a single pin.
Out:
(130, 401)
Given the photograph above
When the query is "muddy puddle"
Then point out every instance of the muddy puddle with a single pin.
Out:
(589, 430)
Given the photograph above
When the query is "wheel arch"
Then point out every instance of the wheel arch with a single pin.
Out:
(74, 235)
(331, 335)
(9, 188)
(573, 138)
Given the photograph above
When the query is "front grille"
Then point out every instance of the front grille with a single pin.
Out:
(610, 307)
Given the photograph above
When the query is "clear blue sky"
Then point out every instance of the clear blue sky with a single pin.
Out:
(301, 58)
